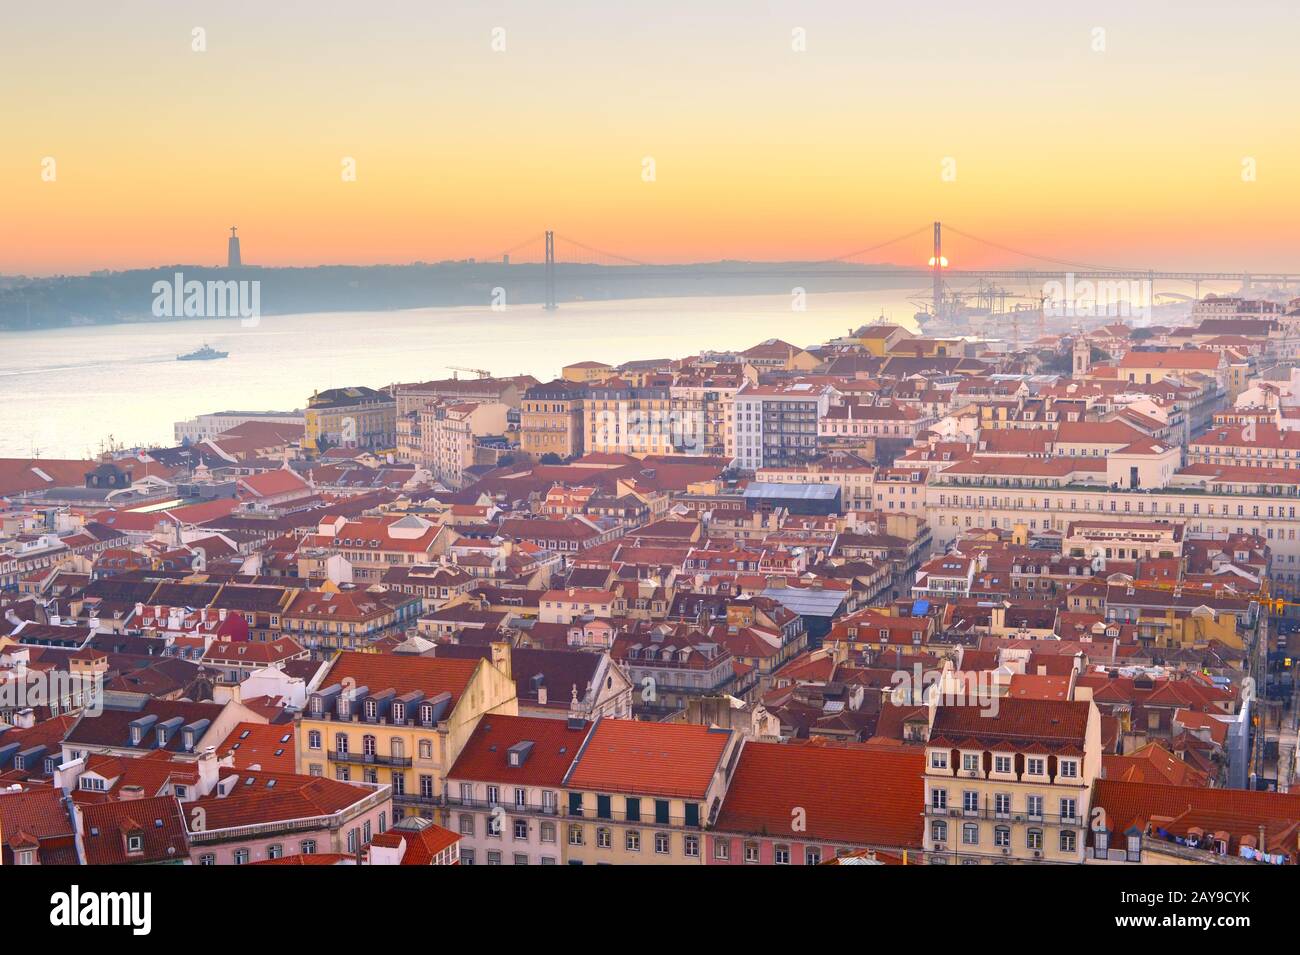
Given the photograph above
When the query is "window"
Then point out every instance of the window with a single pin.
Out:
(970, 801)
(603, 810)
(661, 843)
(812, 855)
(1036, 766)
(494, 857)
(632, 807)
(1067, 840)
(970, 762)
(1035, 807)
(1002, 764)
(426, 749)
(308, 847)
(1002, 837)
(135, 844)
(575, 804)
(938, 760)
(751, 852)
(241, 857)
(274, 852)
(970, 834)
(604, 837)
(692, 847)
(938, 831)
(1002, 804)
(1069, 769)
(575, 836)
(521, 829)
(938, 798)
(1034, 839)
(781, 855)
(661, 812)
(313, 739)
(1068, 807)
(722, 849)
(207, 859)
(632, 841)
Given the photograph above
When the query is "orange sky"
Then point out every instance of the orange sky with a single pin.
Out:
(1129, 155)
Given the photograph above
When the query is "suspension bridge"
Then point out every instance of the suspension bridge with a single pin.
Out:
(564, 259)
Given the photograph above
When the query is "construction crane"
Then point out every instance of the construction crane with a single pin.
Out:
(481, 372)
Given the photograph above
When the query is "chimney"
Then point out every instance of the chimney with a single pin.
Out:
(501, 657)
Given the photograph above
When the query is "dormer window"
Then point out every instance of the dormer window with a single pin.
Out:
(426, 714)
(135, 843)
(1069, 769)
(938, 760)
(399, 712)
(1036, 766)
(1002, 764)
(372, 710)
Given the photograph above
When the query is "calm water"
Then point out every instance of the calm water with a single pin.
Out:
(64, 392)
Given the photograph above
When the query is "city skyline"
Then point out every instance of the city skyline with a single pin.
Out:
(766, 143)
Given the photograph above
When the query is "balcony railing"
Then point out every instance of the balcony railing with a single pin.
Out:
(1020, 816)
(370, 759)
(512, 808)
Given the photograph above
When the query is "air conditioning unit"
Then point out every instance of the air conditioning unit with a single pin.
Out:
(940, 847)
(1020, 818)
(1038, 853)
(954, 812)
(973, 773)
(1006, 850)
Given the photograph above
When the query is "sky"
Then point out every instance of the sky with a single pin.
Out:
(1143, 135)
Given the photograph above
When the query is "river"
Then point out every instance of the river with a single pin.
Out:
(65, 392)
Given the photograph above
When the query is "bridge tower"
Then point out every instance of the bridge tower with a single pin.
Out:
(549, 304)
(936, 270)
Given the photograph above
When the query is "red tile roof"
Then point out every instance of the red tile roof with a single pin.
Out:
(485, 756)
(865, 796)
(430, 675)
(260, 797)
(1022, 725)
(269, 746)
(157, 819)
(654, 759)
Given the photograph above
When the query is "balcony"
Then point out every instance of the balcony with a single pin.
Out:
(368, 759)
(1015, 817)
(512, 808)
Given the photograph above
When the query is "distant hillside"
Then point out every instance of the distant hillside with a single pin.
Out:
(106, 298)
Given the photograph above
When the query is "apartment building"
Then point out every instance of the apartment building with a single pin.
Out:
(1009, 780)
(356, 417)
(551, 420)
(505, 792)
(776, 426)
(371, 546)
(785, 804)
(400, 720)
(448, 433)
(622, 418)
(644, 793)
(854, 476)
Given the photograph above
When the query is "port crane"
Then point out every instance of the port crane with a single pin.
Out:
(481, 372)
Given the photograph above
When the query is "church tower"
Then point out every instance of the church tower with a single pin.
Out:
(1082, 357)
